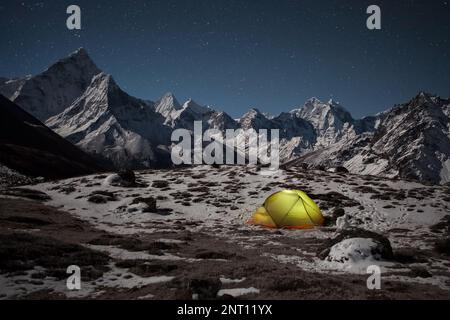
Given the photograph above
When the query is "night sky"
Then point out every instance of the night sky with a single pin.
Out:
(234, 55)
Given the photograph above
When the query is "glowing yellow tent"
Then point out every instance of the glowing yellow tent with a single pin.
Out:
(291, 209)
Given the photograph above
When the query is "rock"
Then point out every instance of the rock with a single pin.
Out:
(68, 189)
(409, 255)
(205, 289)
(338, 212)
(283, 284)
(331, 220)
(214, 255)
(342, 223)
(386, 252)
(102, 197)
(160, 184)
(125, 178)
(340, 170)
(334, 199)
(97, 199)
(303, 166)
(443, 246)
(165, 211)
(128, 178)
(420, 272)
(442, 226)
(354, 250)
(26, 193)
(150, 203)
(149, 269)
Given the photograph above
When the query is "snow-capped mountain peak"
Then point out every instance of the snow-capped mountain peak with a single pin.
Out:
(107, 121)
(167, 105)
(51, 92)
(313, 101)
(255, 119)
(315, 110)
(411, 140)
(80, 52)
(79, 57)
(191, 106)
(222, 121)
(425, 98)
(330, 120)
(187, 114)
(254, 111)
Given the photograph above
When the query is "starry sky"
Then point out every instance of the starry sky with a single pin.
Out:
(237, 54)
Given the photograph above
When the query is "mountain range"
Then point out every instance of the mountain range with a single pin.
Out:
(81, 103)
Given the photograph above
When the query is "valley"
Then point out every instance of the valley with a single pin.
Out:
(193, 238)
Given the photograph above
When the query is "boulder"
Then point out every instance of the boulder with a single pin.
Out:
(124, 178)
(128, 178)
(385, 248)
(149, 202)
(355, 250)
(443, 246)
(99, 197)
(205, 288)
(340, 170)
(342, 223)
(160, 184)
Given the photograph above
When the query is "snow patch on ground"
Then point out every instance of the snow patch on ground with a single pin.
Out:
(122, 254)
(237, 292)
(170, 241)
(230, 281)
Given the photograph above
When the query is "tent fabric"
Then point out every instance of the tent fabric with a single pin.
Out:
(291, 209)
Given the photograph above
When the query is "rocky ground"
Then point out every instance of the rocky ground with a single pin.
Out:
(182, 234)
(9, 177)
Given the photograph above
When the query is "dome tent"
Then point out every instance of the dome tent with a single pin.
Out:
(291, 209)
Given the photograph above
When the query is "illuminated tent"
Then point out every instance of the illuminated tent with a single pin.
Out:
(291, 209)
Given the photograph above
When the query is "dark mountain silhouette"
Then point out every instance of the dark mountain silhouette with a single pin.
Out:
(28, 146)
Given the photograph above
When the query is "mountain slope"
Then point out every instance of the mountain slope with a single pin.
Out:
(297, 136)
(105, 120)
(415, 137)
(52, 91)
(330, 120)
(411, 140)
(28, 146)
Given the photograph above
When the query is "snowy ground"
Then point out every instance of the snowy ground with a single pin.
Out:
(200, 232)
